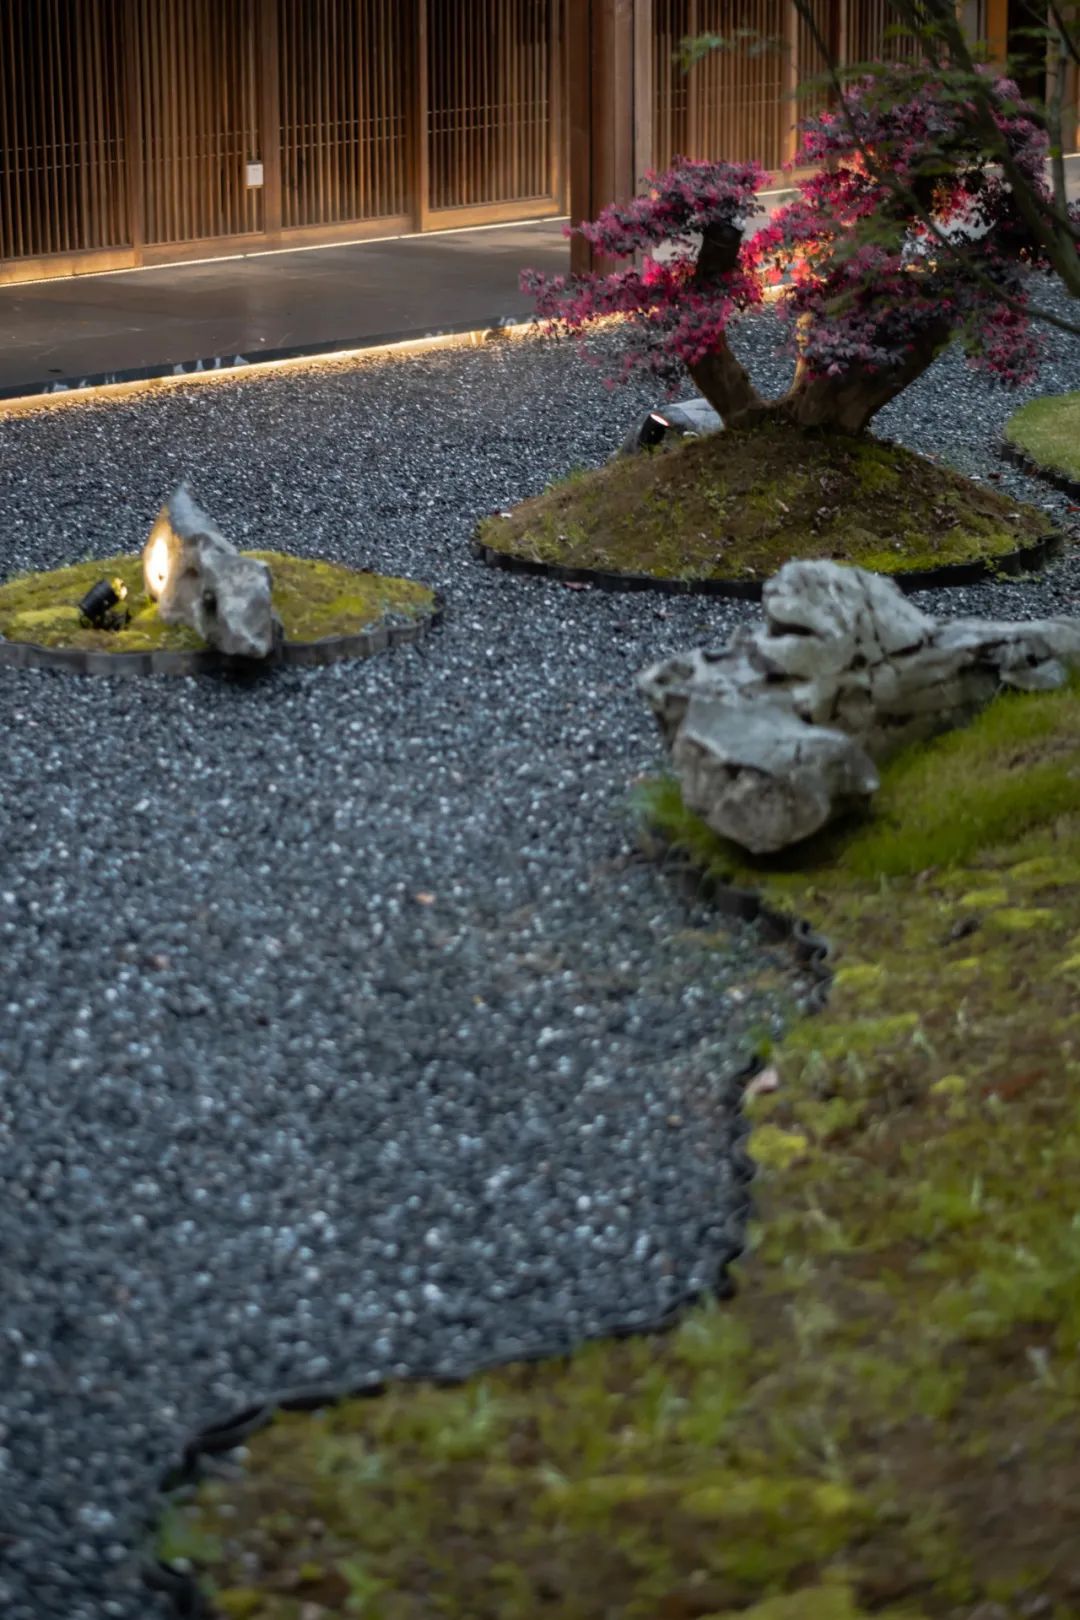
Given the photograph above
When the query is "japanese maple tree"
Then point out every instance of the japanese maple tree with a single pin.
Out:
(870, 282)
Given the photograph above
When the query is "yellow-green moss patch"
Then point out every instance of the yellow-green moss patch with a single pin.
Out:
(1048, 430)
(314, 600)
(886, 1421)
(736, 505)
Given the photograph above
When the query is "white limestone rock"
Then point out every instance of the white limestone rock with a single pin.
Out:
(199, 579)
(780, 731)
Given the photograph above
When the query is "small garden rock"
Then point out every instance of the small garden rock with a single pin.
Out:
(779, 732)
(200, 580)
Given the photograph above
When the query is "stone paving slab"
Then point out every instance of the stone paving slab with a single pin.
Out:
(56, 335)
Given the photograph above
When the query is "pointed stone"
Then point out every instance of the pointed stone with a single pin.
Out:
(197, 578)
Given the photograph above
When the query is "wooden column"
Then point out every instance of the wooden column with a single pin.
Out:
(269, 66)
(609, 46)
(421, 107)
(789, 105)
(644, 97)
(997, 28)
(837, 32)
(133, 128)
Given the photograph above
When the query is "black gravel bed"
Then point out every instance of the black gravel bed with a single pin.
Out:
(342, 1033)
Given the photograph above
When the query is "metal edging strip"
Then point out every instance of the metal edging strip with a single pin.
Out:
(1024, 560)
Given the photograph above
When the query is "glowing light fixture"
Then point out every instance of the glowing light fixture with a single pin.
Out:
(158, 558)
(653, 430)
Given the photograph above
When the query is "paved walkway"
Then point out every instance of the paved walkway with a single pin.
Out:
(140, 323)
(58, 335)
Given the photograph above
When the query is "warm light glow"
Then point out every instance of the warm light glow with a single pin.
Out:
(156, 562)
(28, 404)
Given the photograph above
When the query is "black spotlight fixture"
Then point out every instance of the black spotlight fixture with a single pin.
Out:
(101, 608)
(653, 430)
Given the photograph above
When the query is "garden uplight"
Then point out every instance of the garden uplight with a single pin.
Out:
(97, 606)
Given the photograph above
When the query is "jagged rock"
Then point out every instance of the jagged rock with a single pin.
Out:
(781, 730)
(197, 578)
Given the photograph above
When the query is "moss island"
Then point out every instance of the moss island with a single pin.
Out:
(314, 600)
(1047, 431)
(738, 504)
(886, 1419)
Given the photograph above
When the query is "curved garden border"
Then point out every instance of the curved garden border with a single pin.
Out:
(204, 661)
(812, 955)
(1049, 475)
(1022, 561)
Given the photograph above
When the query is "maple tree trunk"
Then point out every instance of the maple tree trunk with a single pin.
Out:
(720, 378)
(723, 381)
(845, 404)
(848, 403)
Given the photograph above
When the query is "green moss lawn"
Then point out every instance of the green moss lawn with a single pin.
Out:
(737, 505)
(886, 1420)
(1048, 430)
(314, 600)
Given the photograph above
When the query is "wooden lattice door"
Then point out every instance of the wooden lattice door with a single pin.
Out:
(347, 87)
(63, 184)
(491, 85)
(732, 105)
(199, 119)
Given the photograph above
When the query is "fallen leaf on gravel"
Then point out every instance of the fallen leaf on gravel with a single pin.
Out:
(424, 898)
(767, 1080)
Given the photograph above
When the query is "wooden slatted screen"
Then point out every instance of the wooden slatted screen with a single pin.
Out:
(973, 18)
(199, 86)
(129, 126)
(346, 78)
(870, 37)
(62, 179)
(671, 135)
(490, 77)
(731, 105)
(814, 92)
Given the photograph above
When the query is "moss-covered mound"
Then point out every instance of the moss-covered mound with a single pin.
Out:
(737, 505)
(886, 1421)
(314, 600)
(1047, 431)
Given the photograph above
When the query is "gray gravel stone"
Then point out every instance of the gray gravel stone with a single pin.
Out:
(343, 1034)
(406, 1060)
